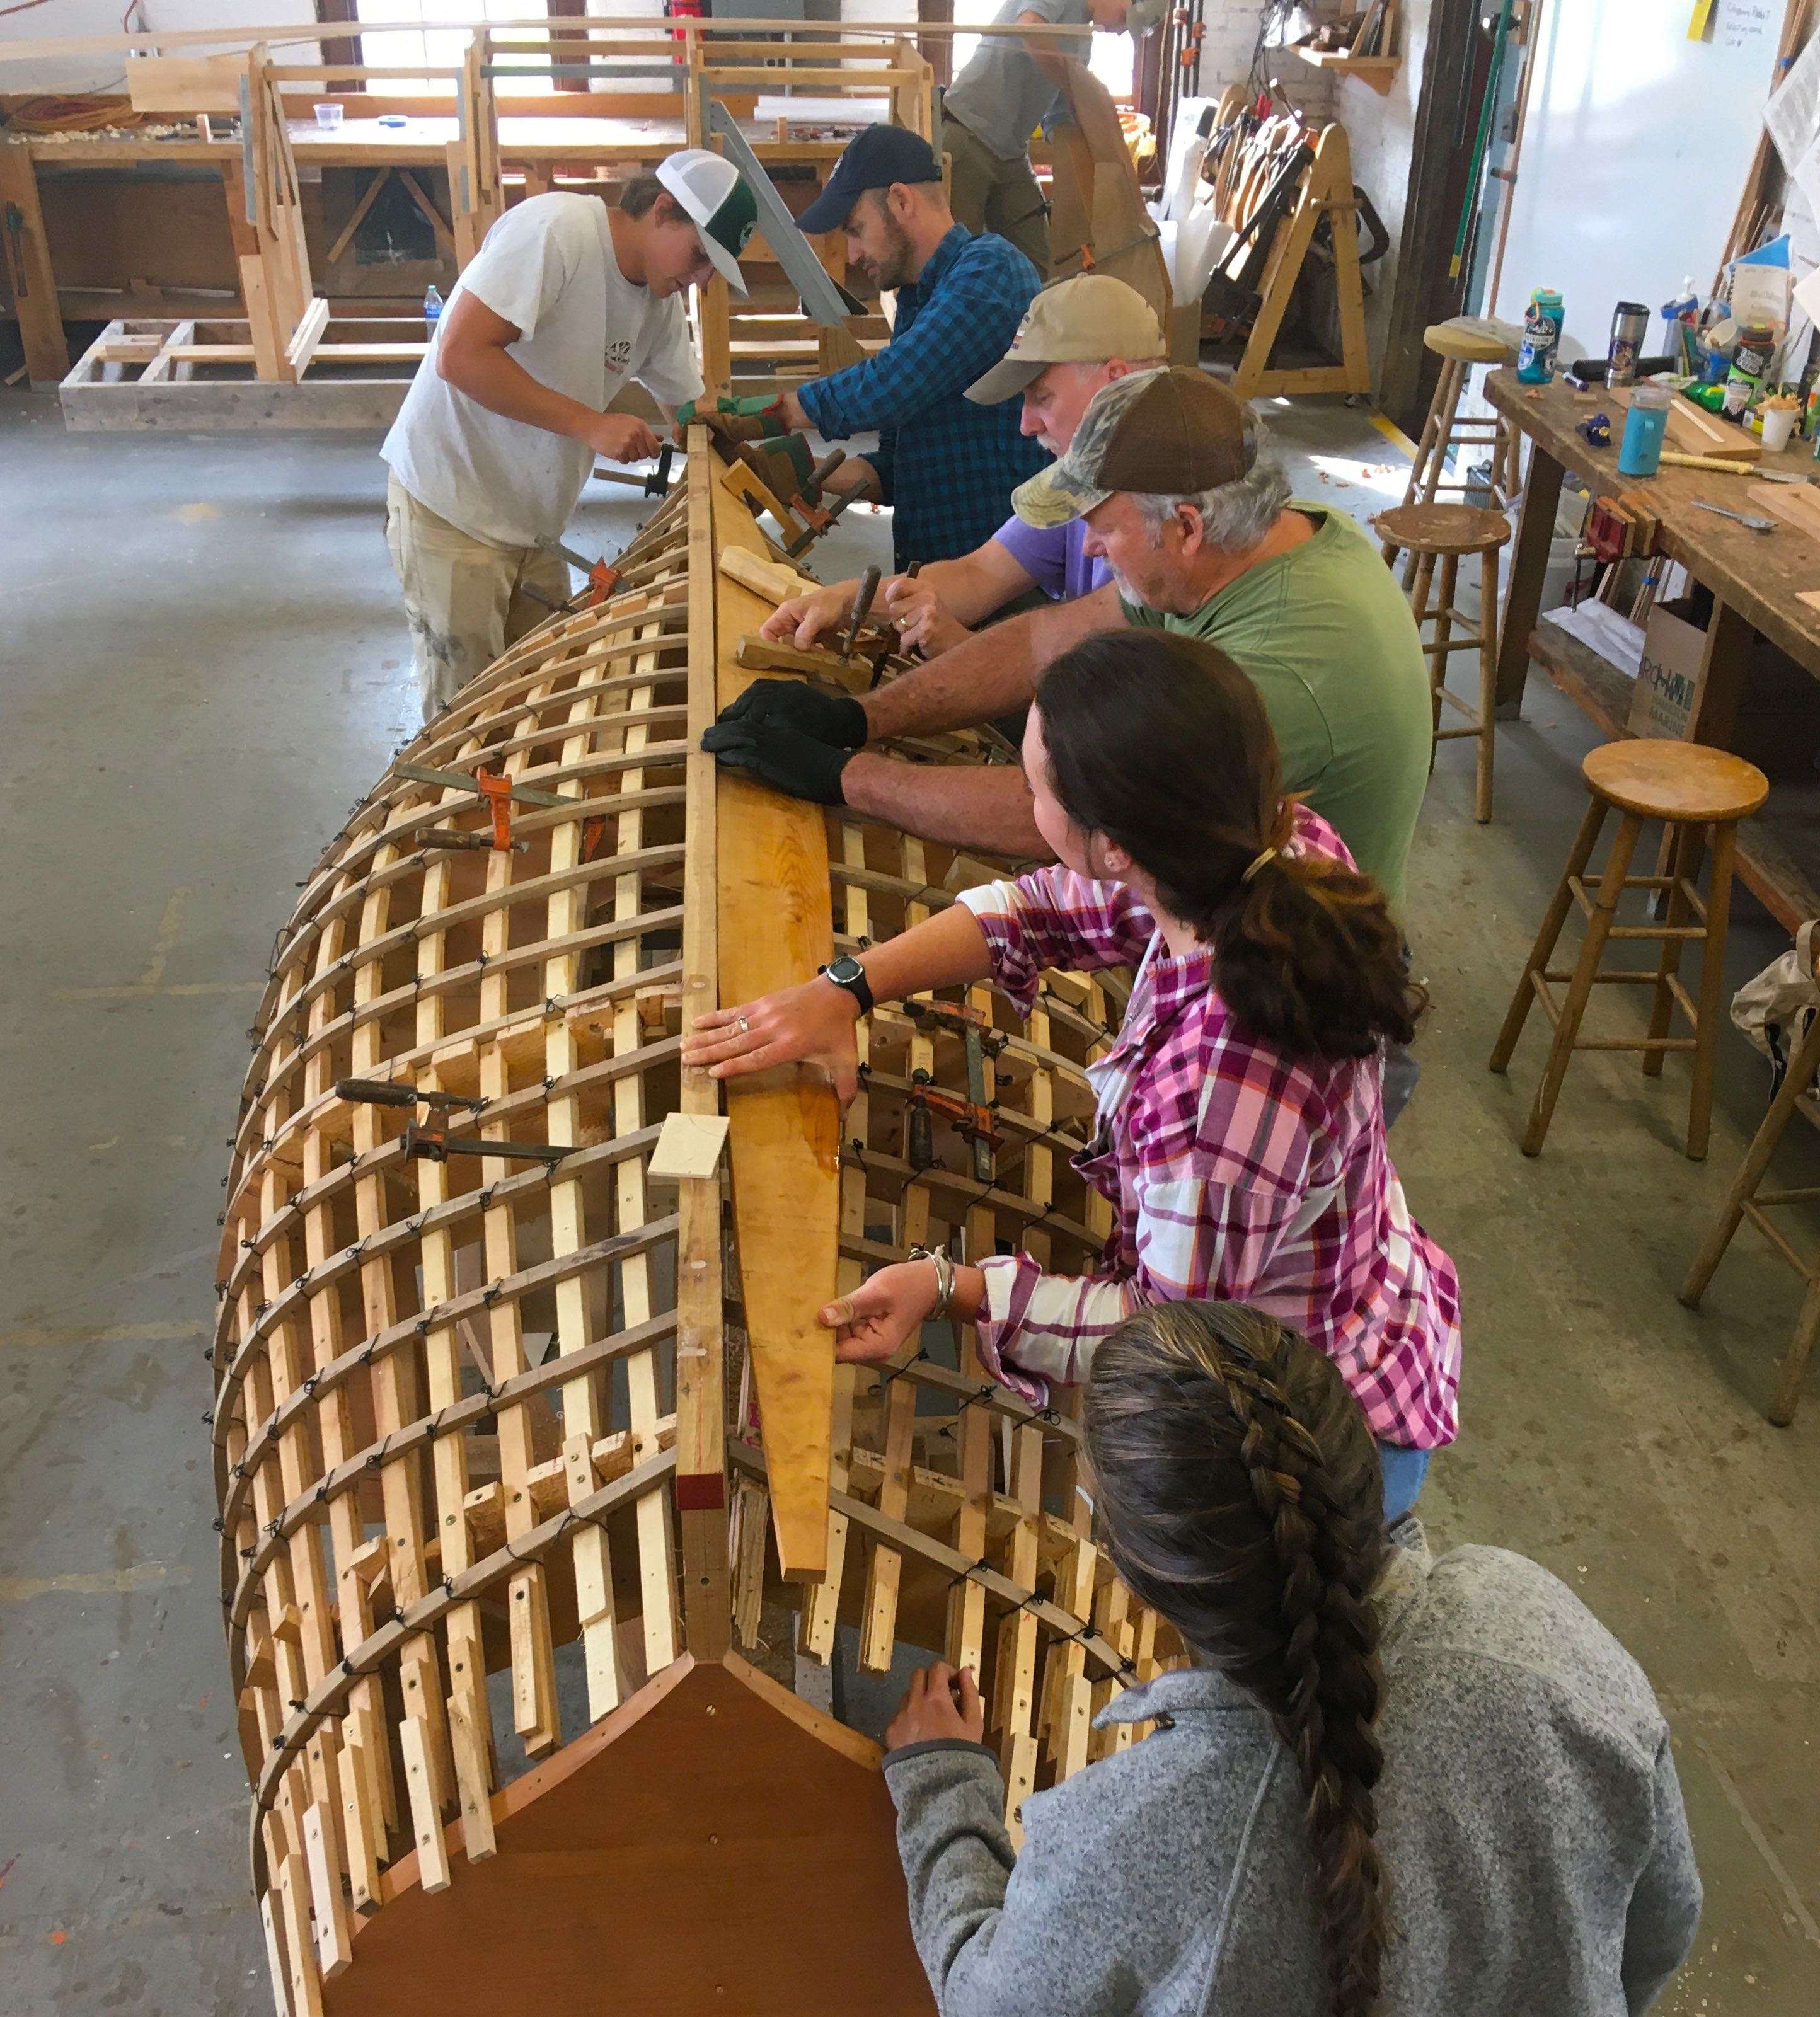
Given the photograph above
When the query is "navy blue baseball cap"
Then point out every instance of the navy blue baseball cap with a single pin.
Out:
(882, 155)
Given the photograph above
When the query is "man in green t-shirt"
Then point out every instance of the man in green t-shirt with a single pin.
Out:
(1202, 537)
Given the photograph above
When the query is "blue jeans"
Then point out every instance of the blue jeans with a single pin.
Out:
(1403, 1472)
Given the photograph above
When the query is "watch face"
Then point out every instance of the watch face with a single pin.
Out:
(845, 970)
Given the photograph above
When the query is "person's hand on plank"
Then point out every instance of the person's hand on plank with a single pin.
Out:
(803, 620)
(812, 1024)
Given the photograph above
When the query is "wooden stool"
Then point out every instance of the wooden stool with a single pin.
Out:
(1689, 787)
(1443, 532)
(1461, 344)
(1745, 1201)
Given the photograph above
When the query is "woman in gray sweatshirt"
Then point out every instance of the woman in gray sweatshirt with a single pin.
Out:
(1385, 1783)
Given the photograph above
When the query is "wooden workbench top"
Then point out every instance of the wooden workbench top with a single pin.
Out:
(1758, 574)
(360, 143)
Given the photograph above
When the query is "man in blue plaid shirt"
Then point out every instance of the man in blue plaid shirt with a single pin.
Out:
(946, 466)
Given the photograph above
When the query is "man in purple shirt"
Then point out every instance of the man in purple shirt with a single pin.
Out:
(1078, 335)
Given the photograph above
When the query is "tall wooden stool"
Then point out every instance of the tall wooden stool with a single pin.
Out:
(1461, 344)
(1431, 533)
(1745, 1200)
(1689, 787)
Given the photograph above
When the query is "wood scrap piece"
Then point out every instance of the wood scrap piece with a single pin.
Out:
(747, 565)
(1799, 508)
(688, 1145)
(1694, 431)
(1810, 596)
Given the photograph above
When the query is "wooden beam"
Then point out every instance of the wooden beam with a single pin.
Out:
(27, 256)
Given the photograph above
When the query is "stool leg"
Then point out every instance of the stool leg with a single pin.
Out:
(1424, 448)
(1790, 1373)
(1524, 998)
(1712, 989)
(1684, 864)
(1580, 987)
(1443, 636)
(1488, 643)
(1424, 565)
(1447, 392)
(1796, 1080)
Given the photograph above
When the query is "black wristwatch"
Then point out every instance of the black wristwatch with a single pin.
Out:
(847, 972)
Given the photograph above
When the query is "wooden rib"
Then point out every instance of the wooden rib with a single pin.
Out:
(581, 1422)
(821, 1601)
(466, 1703)
(535, 1715)
(884, 1564)
(656, 1555)
(366, 1819)
(1015, 1696)
(394, 1378)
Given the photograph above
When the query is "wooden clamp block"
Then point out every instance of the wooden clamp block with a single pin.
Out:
(764, 578)
(688, 1145)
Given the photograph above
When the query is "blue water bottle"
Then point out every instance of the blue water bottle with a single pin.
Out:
(1640, 453)
(432, 312)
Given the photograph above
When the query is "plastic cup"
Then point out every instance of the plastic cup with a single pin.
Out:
(1778, 424)
(329, 115)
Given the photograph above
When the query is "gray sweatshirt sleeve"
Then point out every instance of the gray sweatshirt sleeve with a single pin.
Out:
(994, 1929)
(1665, 1908)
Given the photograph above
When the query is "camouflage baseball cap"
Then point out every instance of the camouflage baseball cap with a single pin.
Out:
(1167, 433)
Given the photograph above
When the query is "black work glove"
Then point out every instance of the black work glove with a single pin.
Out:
(836, 720)
(778, 754)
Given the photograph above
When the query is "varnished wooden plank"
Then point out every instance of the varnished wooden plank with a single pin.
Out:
(785, 1125)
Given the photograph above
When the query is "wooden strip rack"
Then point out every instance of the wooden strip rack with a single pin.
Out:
(510, 1433)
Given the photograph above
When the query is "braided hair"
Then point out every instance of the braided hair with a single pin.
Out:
(1240, 1494)
(1162, 743)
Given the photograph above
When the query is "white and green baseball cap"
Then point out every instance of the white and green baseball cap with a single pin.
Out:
(714, 194)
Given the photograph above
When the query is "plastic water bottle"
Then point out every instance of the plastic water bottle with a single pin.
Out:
(432, 312)
(1640, 453)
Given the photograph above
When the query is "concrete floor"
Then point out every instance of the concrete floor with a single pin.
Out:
(202, 663)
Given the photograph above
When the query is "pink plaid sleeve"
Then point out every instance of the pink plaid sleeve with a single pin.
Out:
(1195, 1240)
(1053, 918)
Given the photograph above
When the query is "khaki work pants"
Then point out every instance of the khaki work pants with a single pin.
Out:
(465, 596)
(988, 194)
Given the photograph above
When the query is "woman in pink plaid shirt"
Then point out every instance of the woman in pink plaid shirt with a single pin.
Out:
(1240, 1134)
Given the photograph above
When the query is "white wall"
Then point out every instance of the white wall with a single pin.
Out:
(61, 19)
(1382, 132)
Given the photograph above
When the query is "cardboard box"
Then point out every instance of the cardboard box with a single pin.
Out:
(1671, 677)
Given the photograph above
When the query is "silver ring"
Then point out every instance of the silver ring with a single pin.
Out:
(743, 1026)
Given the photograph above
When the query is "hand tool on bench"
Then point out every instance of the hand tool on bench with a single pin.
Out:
(1743, 517)
(431, 1140)
(497, 792)
(972, 1115)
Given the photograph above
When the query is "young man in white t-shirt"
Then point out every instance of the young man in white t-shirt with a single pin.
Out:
(564, 302)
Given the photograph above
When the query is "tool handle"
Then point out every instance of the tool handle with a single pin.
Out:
(374, 1092)
(918, 1136)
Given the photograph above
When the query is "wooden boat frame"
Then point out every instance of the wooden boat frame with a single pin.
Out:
(489, 1415)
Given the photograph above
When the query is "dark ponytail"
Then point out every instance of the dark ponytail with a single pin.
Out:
(1162, 743)
(1241, 1497)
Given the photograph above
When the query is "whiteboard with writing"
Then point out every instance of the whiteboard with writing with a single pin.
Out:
(1634, 151)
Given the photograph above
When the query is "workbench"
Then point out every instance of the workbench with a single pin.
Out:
(125, 229)
(1755, 579)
